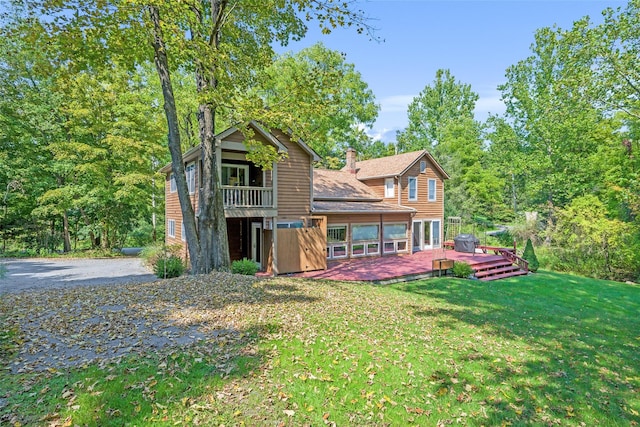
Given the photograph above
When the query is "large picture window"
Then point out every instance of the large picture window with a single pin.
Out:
(365, 239)
(413, 189)
(395, 237)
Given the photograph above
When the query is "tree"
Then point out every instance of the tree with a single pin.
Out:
(437, 105)
(332, 104)
(225, 45)
(530, 255)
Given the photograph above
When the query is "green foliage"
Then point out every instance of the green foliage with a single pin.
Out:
(588, 242)
(167, 267)
(150, 254)
(244, 266)
(530, 255)
(462, 269)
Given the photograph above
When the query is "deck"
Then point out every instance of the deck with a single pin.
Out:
(395, 268)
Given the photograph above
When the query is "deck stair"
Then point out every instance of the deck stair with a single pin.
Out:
(496, 269)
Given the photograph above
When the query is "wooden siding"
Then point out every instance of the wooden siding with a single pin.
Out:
(377, 185)
(425, 208)
(172, 211)
(294, 180)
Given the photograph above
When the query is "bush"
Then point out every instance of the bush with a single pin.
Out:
(462, 269)
(244, 266)
(151, 254)
(168, 267)
(530, 255)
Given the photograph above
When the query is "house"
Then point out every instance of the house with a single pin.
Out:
(294, 217)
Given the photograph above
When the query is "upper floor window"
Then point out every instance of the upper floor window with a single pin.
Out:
(423, 166)
(235, 174)
(172, 184)
(190, 172)
(388, 187)
(413, 189)
(432, 190)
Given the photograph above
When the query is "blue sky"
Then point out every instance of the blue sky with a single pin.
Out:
(476, 39)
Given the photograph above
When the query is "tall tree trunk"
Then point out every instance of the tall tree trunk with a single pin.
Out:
(205, 244)
(65, 233)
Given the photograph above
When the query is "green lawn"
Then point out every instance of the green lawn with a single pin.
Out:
(545, 349)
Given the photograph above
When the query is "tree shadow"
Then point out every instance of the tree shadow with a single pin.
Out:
(581, 339)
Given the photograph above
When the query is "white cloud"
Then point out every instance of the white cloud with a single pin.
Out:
(395, 103)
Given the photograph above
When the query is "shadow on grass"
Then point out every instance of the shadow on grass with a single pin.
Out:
(581, 339)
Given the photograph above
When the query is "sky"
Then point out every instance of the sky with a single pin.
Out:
(476, 39)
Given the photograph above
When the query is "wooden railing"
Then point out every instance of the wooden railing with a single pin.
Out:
(509, 255)
(247, 197)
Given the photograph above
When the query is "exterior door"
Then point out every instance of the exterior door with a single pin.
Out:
(416, 238)
(256, 242)
(426, 234)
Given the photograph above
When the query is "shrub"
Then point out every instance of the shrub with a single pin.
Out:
(168, 267)
(530, 255)
(462, 269)
(151, 254)
(244, 266)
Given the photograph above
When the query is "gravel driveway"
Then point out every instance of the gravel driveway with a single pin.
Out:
(36, 274)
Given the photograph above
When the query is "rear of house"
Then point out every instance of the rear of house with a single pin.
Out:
(294, 218)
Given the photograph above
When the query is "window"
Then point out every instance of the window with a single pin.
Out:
(182, 236)
(363, 232)
(395, 231)
(388, 187)
(235, 174)
(172, 184)
(432, 190)
(365, 239)
(336, 233)
(423, 166)
(337, 241)
(395, 237)
(290, 224)
(171, 228)
(190, 173)
(413, 189)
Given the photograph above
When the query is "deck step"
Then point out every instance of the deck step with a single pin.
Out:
(503, 275)
(487, 265)
(495, 271)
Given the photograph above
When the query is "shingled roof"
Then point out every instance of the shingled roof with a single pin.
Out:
(340, 185)
(394, 165)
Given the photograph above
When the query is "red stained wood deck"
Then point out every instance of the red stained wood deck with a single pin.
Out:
(394, 268)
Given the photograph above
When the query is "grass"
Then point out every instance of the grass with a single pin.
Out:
(544, 349)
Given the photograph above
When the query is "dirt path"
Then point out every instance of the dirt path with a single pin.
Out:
(52, 273)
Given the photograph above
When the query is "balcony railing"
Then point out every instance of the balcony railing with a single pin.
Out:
(247, 197)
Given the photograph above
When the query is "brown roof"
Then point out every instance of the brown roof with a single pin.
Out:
(340, 185)
(394, 165)
(321, 207)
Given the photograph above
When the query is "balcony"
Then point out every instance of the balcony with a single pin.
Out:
(248, 201)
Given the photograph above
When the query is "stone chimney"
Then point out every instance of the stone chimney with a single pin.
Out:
(351, 160)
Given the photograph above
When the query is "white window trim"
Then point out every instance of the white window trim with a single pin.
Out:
(432, 197)
(423, 166)
(238, 166)
(332, 246)
(389, 191)
(190, 179)
(172, 183)
(182, 236)
(397, 241)
(414, 179)
(171, 228)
